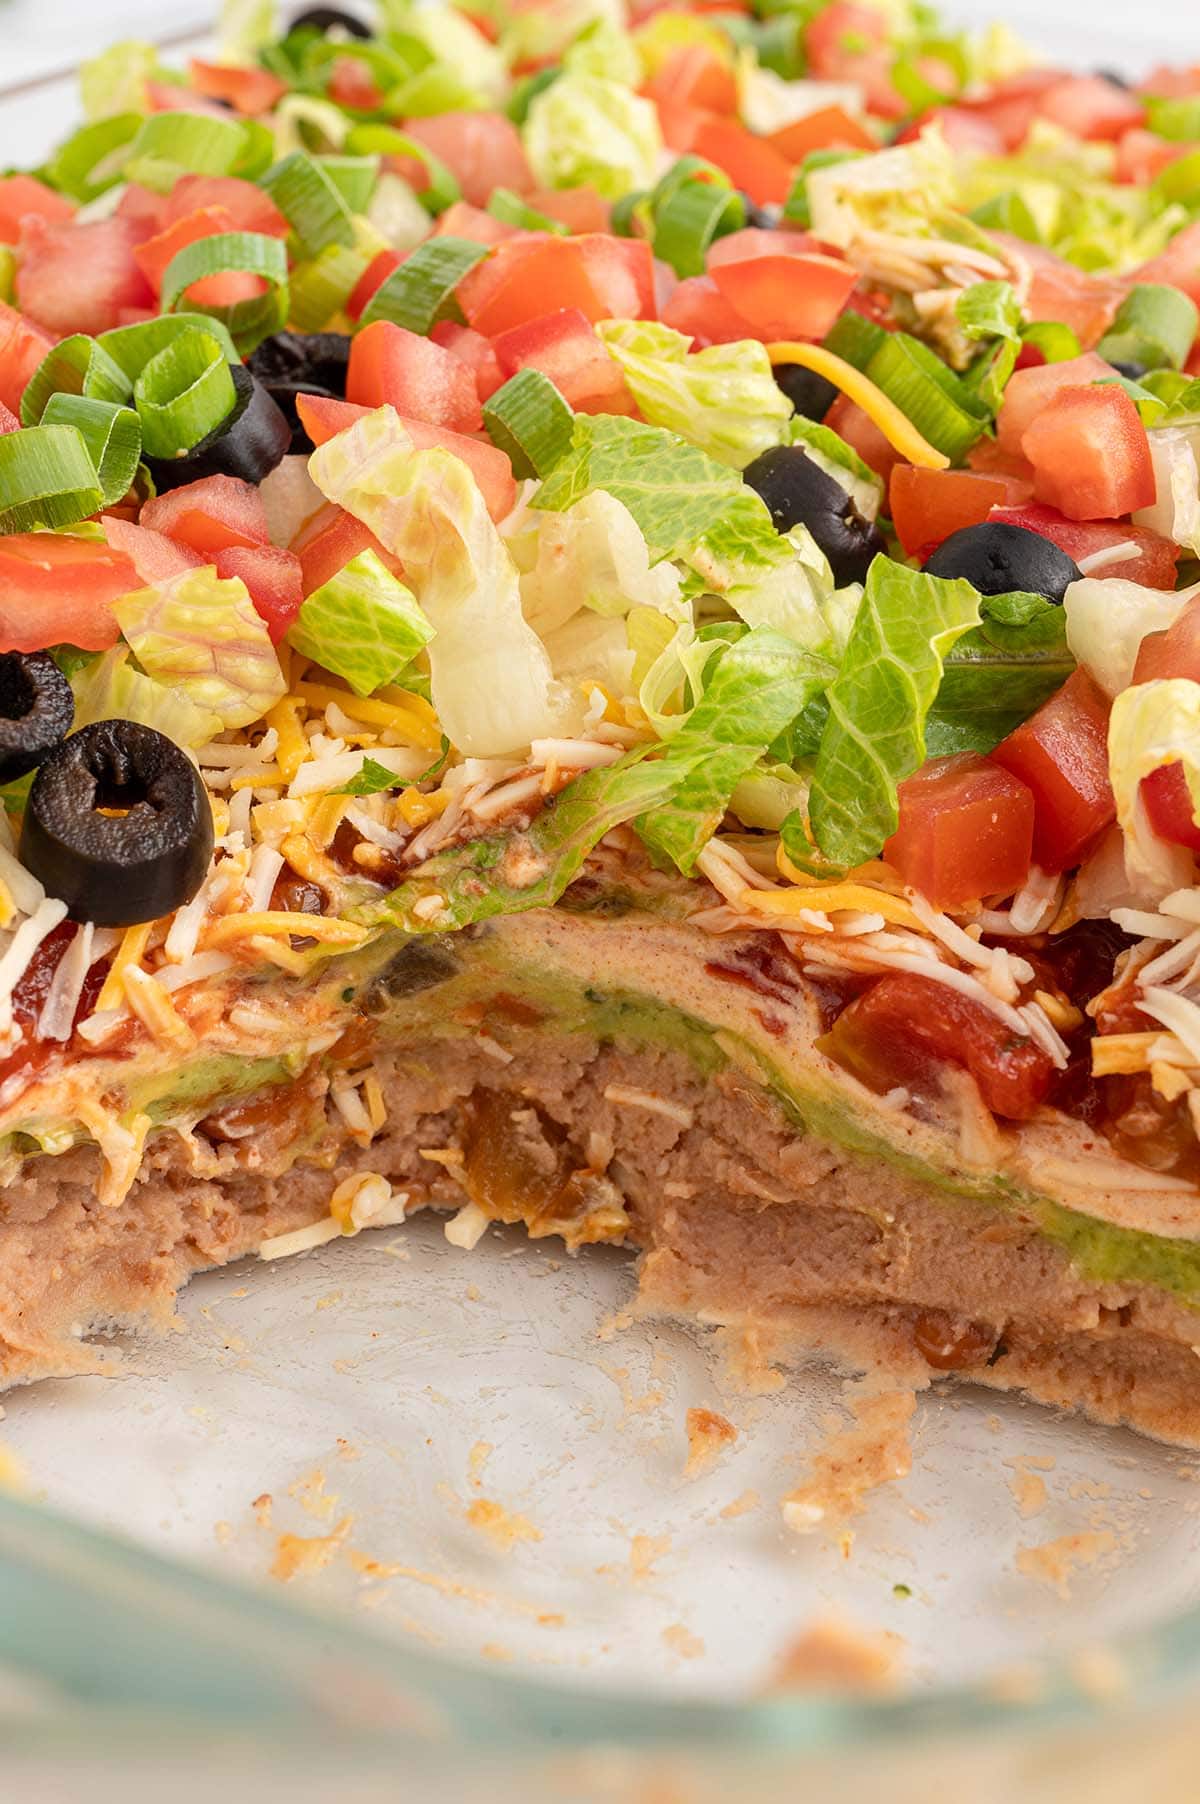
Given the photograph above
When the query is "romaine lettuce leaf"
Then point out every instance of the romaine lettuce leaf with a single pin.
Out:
(585, 129)
(895, 191)
(1107, 618)
(1175, 453)
(879, 702)
(450, 42)
(724, 399)
(989, 310)
(604, 49)
(363, 624)
(1001, 670)
(1152, 724)
(490, 675)
(593, 556)
(111, 687)
(205, 638)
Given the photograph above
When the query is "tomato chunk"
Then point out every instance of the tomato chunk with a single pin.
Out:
(966, 830)
(1154, 566)
(751, 164)
(77, 278)
(8, 420)
(473, 349)
(1090, 454)
(1174, 652)
(155, 254)
(695, 76)
(904, 1023)
(373, 277)
(209, 515)
(462, 220)
(784, 296)
(1168, 803)
(849, 42)
(273, 578)
(247, 89)
(22, 347)
(829, 128)
(1029, 390)
(58, 590)
(328, 542)
(579, 209)
(483, 151)
(534, 274)
(698, 309)
(391, 366)
(862, 435)
(155, 557)
(1178, 265)
(564, 347)
(1091, 107)
(1061, 752)
(22, 195)
(250, 207)
(928, 505)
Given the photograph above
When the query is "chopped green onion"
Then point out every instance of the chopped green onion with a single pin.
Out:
(133, 346)
(685, 169)
(112, 435)
(421, 291)
(1176, 117)
(91, 160)
(854, 339)
(75, 366)
(354, 178)
(321, 288)
(1166, 385)
(1155, 326)
(529, 419)
(911, 81)
(927, 392)
(258, 152)
(251, 253)
(385, 140)
(183, 394)
(1180, 180)
(169, 145)
(311, 202)
(526, 91)
(509, 207)
(630, 208)
(47, 478)
(689, 219)
(1056, 342)
(434, 90)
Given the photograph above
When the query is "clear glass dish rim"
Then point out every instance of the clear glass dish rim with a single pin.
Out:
(61, 1560)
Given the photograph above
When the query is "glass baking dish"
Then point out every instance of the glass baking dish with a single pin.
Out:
(398, 1520)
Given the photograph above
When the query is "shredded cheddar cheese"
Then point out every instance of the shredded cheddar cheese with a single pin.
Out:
(129, 953)
(830, 898)
(272, 921)
(293, 747)
(895, 426)
(155, 1010)
(411, 725)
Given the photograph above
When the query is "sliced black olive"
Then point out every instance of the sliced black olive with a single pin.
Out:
(118, 825)
(301, 363)
(799, 492)
(328, 18)
(765, 218)
(36, 711)
(1115, 77)
(811, 395)
(1133, 372)
(997, 559)
(249, 442)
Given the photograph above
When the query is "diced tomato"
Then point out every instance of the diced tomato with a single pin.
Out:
(681, 125)
(1154, 565)
(1028, 391)
(751, 164)
(905, 1026)
(1077, 298)
(473, 349)
(273, 578)
(988, 458)
(373, 277)
(694, 76)
(861, 433)
(962, 127)
(1091, 106)
(22, 347)
(329, 541)
(848, 42)
(462, 220)
(1178, 265)
(322, 418)
(1142, 155)
(829, 128)
(1061, 752)
(564, 346)
(58, 590)
(698, 309)
(153, 555)
(787, 297)
(156, 253)
(1174, 652)
(755, 241)
(1168, 802)
(483, 151)
(579, 209)
(352, 85)
(144, 208)
(1172, 81)
(606, 278)
(966, 830)
(249, 207)
(77, 278)
(1090, 454)
(175, 97)
(928, 505)
(247, 88)
(8, 421)
(23, 196)
(391, 366)
(209, 515)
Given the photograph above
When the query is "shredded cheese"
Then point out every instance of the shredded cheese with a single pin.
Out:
(830, 898)
(130, 952)
(155, 1010)
(895, 426)
(231, 928)
(402, 718)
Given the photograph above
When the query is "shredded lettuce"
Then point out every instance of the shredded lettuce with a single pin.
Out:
(111, 687)
(363, 624)
(541, 34)
(895, 191)
(879, 702)
(444, 40)
(115, 81)
(490, 675)
(665, 32)
(1175, 453)
(604, 49)
(989, 310)
(1153, 724)
(724, 400)
(594, 556)
(204, 637)
(584, 129)
(768, 103)
(1106, 620)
